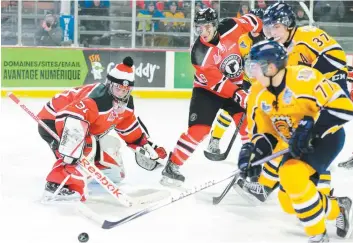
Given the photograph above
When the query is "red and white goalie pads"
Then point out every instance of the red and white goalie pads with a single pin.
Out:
(72, 140)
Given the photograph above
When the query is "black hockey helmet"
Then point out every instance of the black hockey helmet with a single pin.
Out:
(258, 12)
(205, 16)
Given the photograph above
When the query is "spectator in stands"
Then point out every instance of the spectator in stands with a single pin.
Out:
(244, 8)
(175, 26)
(198, 5)
(153, 26)
(174, 14)
(349, 12)
(150, 12)
(329, 11)
(50, 33)
(95, 8)
(302, 19)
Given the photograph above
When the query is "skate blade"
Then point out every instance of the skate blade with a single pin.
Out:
(350, 220)
(48, 198)
(166, 181)
(248, 197)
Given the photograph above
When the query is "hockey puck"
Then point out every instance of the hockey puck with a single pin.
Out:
(83, 237)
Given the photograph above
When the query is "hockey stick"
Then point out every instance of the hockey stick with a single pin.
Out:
(217, 200)
(110, 224)
(219, 157)
(96, 173)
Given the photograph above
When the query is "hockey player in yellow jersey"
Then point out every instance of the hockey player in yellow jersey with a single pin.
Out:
(307, 46)
(223, 119)
(298, 108)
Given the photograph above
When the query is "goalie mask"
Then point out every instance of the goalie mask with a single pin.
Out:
(120, 82)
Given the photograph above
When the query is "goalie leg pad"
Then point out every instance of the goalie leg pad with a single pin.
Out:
(72, 140)
(77, 178)
(111, 162)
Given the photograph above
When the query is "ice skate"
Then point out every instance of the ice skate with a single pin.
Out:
(52, 193)
(348, 164)
(319, 238)
(171, 175)
(253, 192)
(213, 146)
(344, 220)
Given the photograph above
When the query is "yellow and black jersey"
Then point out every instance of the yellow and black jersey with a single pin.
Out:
(246, 41)
(313, 47)
(304, 91)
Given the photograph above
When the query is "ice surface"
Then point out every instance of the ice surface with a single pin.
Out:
(26, 160)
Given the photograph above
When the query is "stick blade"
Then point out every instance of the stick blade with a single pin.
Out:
(216, 200)
(215, 157)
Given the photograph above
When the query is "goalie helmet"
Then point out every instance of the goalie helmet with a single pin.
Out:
(120, 80)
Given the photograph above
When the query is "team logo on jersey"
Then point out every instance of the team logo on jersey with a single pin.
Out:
(265, 107)
(306, 74)
(287, 96)
(232, 66)
(97, 67)
(283, 125)
(243, 45)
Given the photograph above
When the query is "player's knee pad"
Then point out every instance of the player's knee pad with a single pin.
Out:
(294, 176)
(285, 202)
(111, 162)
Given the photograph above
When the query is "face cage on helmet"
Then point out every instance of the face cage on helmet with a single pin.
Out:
(199, 27)
(254, 66)
(283, 20)
(119, 91)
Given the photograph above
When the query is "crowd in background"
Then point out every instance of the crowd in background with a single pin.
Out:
(44, 30)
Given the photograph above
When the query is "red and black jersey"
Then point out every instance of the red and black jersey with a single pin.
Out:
(218, 63)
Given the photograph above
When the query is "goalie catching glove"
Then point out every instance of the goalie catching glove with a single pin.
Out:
(147, 154)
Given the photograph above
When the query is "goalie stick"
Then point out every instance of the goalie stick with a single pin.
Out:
(220, 157)
(96, 173)
(111, 224)
(217, 200)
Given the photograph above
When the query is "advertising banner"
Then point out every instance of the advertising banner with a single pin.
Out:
(183, 71)
(149, 66)
(67, 25)
(42, 67)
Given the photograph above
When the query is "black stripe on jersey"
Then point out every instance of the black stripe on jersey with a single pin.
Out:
(133, 127)
(306, 97)
(326, 121)
(183, 145)
(340, 110)
(198, 52)
(287, 43)
(253, 20)
(324, 66)
(311, 49)
(130, 103)
(50, 107)
(342, 62)
(216, 87)
(102, 97)
(70, 115)
(225, 25)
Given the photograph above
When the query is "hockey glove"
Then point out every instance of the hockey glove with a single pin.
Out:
(147, 154)
(300, 142)
(239, 97)
(246, 156)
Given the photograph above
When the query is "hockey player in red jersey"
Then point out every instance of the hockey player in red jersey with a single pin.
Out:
(83, 118)
(218, 76)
